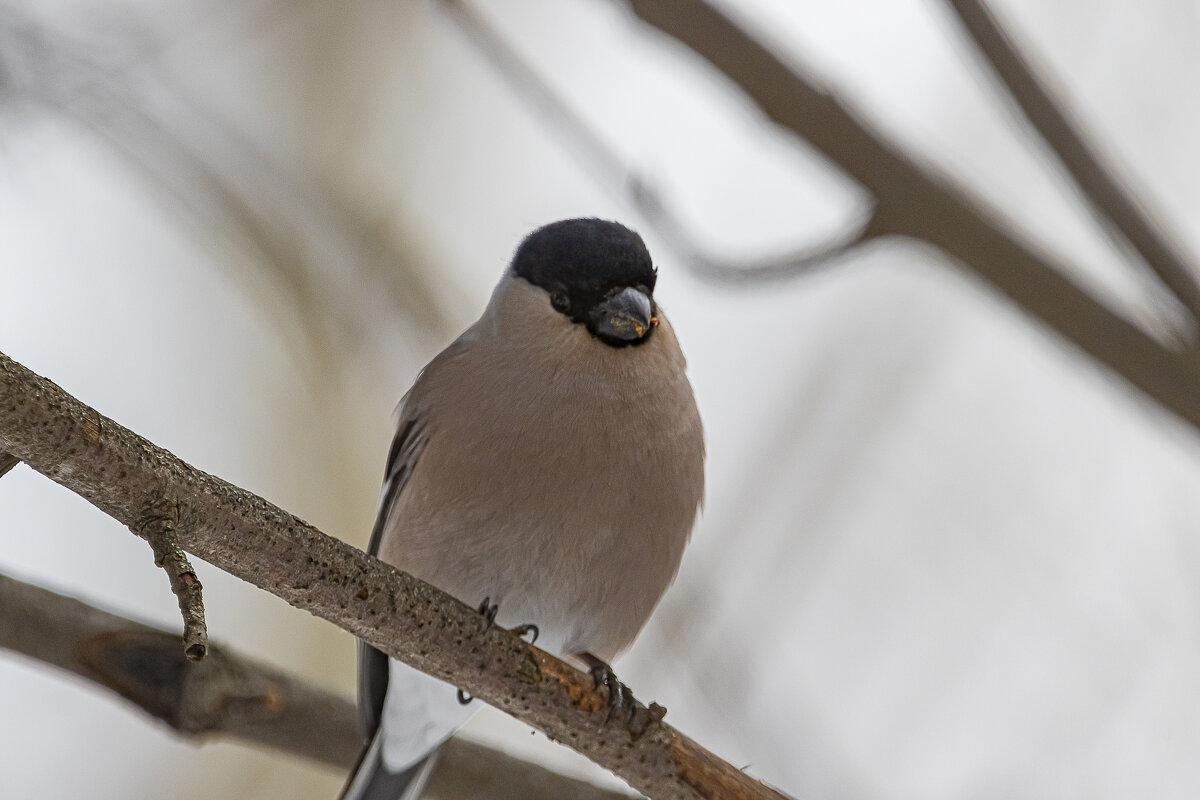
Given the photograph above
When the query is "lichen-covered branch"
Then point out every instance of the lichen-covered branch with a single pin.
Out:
(126, 476)
(232, 695)
(917, 202)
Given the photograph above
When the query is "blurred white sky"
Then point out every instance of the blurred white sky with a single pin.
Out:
(942, 555)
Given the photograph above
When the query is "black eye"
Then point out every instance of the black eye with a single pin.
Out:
(560, 301)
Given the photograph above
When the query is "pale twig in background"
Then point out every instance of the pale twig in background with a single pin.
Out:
(338, 271)
(609, 167)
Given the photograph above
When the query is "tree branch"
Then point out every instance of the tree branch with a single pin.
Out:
(1049, 117)
(748, 271)
(226, 693)
(7, 462)
(127, 477)
(158, 528)
(915, 201)
(241, 698)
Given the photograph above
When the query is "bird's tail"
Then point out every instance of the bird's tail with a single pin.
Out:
(371, 780)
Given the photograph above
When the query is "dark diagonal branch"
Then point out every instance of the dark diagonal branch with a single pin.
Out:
(231, 695)
(917, 202)
(610, 167)
(225, 694)
(7, 462)
(127, 477)
(1052, 120)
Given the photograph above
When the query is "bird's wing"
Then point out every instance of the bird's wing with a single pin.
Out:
(370, 779)
(405, 713)
(372, 664)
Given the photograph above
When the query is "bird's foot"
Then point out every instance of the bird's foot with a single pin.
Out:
(489, 610)
(527, 628)
(620, 700)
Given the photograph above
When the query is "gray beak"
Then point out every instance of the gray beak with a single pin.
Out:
(625, 317)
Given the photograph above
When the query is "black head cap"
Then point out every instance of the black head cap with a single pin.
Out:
(582, 262)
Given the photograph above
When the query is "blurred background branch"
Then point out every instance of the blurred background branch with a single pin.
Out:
(111, 82)
(916, 202)
(1111, 198)
(910, 200)
(608, 167)
(231, 695)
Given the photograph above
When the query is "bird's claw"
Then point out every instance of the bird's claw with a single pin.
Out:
(638, 718)
(620, 699)
(527, 628)
(489, 610)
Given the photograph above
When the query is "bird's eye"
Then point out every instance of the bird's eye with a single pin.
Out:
(560, 301)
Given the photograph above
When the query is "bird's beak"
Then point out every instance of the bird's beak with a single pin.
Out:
(626, 316)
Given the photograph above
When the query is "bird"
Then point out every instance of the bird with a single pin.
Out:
(547, 465)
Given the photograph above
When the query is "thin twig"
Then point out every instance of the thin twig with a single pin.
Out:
(7, 462)
(232, 695)
(746, 272)
(157, 527)
(1110, 197)
(127, 477)
(608, 166)
(916, 201)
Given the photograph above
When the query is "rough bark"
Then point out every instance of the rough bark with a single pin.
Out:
(128, 478)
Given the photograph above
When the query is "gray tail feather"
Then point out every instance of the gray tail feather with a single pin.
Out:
(371, 780)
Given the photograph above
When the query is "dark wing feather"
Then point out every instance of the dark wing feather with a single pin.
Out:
(372, 664)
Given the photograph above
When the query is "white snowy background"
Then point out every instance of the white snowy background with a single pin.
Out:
(943, 555)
